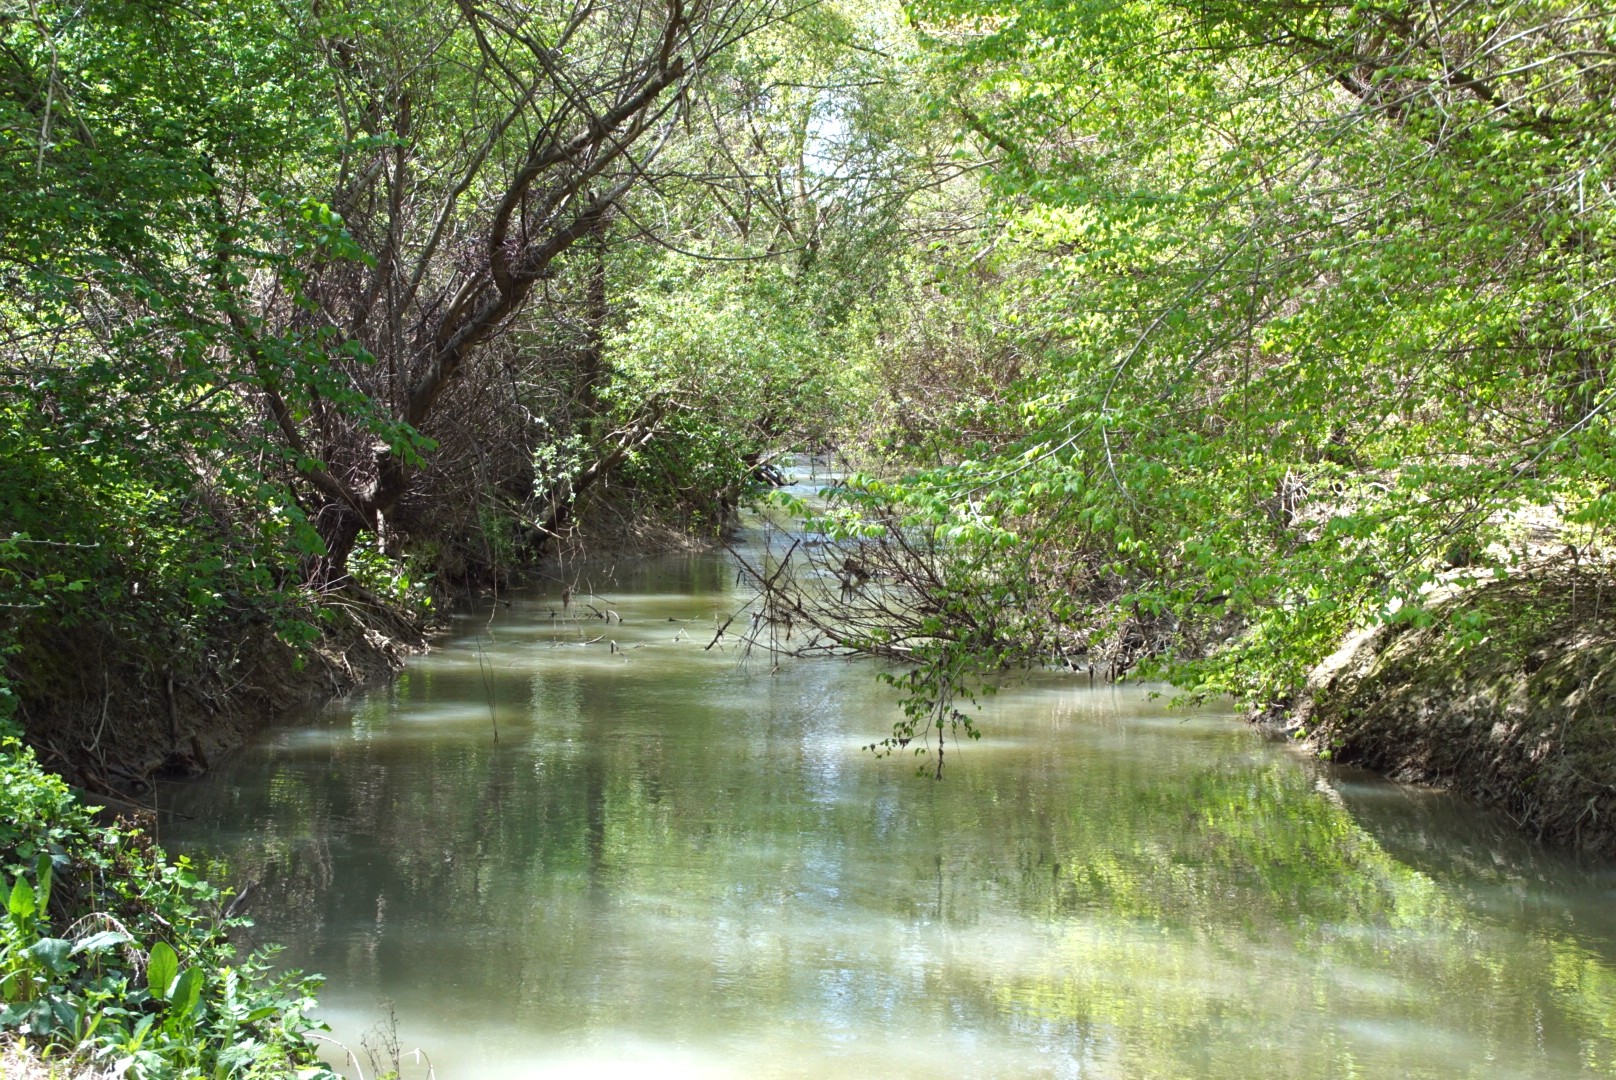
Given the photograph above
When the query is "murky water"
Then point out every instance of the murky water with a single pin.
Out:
(675, 863)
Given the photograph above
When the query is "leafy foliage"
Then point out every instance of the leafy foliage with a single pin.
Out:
(746, 363)
(1287, 312)
(110, 952)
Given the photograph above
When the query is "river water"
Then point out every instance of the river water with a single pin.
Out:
(676, 862)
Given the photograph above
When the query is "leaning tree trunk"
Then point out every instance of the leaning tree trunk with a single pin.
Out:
(339, 525)
(444, 270)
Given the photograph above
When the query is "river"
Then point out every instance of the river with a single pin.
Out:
(564, 845)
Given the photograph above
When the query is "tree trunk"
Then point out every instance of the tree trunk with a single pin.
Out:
(339, 526)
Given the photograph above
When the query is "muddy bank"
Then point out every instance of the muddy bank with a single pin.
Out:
(113, 715)
(1504, 691)
(111, 724)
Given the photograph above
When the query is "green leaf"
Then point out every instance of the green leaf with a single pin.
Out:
(21, 905)
(161, 969)
(102, 941)
(187, 993)
(43, 873)
(52, 952)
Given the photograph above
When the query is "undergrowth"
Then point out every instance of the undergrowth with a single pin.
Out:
(115, 956)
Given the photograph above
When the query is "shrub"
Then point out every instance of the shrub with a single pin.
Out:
(113, 954)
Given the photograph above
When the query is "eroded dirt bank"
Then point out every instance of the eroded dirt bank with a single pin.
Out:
(111, 726)
(111, 716)
(1506, 692)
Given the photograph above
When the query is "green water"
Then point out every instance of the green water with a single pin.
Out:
(677, 863)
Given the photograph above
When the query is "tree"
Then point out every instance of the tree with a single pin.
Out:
(136, 530)
(1294, 309)
(477, 146)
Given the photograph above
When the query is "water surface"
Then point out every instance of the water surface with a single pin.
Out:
(675, 861)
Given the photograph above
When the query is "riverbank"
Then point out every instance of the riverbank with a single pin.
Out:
(112, 730)
(1504, 692)
(17, 1063)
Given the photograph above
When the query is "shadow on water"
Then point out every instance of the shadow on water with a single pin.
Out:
(1505, 873)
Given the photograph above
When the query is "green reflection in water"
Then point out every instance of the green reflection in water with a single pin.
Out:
(674, 863)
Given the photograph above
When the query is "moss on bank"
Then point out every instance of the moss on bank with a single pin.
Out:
(1504, 690)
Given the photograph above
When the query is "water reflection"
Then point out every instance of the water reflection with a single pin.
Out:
(672, 862)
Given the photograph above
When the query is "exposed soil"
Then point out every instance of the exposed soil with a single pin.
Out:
(1507, 694)
(111, 728)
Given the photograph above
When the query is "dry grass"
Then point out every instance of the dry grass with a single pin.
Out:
(18, 1062)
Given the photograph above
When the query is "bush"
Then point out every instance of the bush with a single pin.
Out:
(111, 953)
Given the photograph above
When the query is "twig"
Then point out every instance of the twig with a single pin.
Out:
(488, 688)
